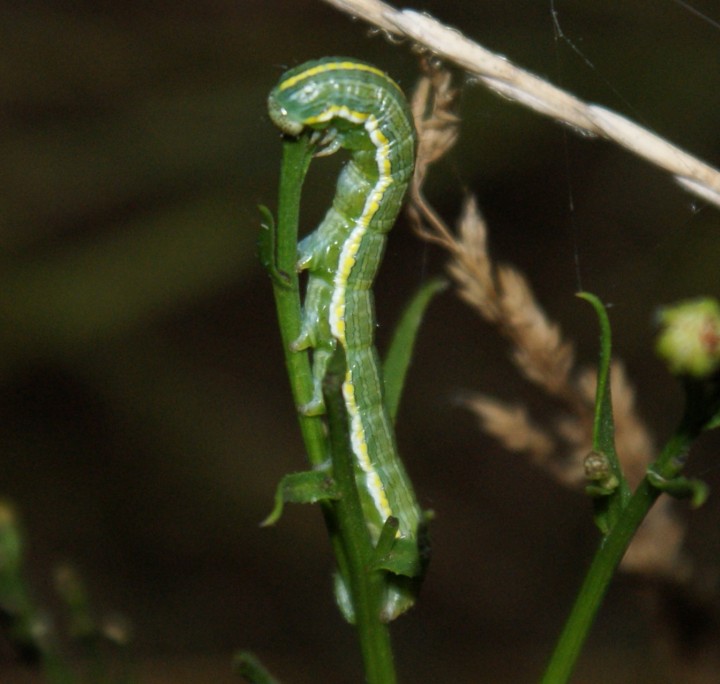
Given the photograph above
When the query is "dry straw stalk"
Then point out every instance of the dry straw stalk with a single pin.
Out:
(514, 83)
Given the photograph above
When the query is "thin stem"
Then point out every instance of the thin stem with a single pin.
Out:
(366, 586)
(344, 519)
(605, 563)
(596, 584)
(297, 155)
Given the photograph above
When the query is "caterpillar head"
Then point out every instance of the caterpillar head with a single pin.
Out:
(281, 117)
(316, 92)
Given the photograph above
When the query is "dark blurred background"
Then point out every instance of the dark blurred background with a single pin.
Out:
(145, 414)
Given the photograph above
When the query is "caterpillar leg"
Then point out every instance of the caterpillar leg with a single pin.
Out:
(315, 335)
(328, 142)
(316, 405)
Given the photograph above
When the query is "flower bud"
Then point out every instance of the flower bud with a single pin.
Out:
(689, 341)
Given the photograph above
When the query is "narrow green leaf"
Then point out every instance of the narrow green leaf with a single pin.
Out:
(310, 486)
(615, 493)
(266, 238)
(248, 666)
(267, 248)
(385, 542)
(397, 359)
(680, 487)
(714, 422)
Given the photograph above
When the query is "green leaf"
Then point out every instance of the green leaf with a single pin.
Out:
(713, 423)
(248, 666)
(613, 488)
(397, 360)
(680, 487)
(310, 486)
(267, 249)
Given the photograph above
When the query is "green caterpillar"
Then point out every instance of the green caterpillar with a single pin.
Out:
(352, 105)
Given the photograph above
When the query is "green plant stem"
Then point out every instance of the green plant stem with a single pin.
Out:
(366, 586)
(344, 520)
(297, 155)
(595, 585)
(608, 557)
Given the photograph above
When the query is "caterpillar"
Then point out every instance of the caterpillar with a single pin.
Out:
(345, 103)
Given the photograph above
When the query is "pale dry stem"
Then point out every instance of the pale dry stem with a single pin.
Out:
(503, 77)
